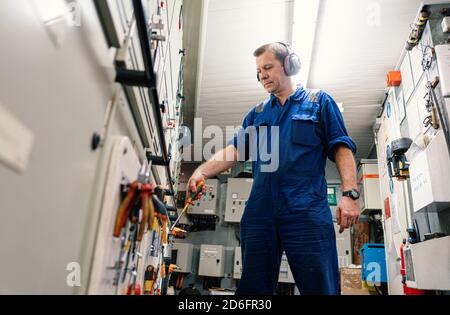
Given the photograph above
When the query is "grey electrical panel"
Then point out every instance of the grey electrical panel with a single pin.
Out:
(208, 204)
(238, 192)
(212, 261)
(182, 256)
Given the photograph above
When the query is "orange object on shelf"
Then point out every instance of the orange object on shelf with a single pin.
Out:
(394, 78)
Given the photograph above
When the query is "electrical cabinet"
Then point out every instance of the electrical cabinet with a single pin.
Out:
(212, 259)
(182, 256)
(88, 178)
(108, 256)
(238, 192)
(411, 111)
(237, 267)
(392, 193)
(428, 264)
(208, 204)
(369, 186)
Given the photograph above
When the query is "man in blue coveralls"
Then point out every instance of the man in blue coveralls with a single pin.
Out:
(288, 209)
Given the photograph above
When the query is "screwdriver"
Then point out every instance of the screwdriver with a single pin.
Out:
(192, 197)
(147, 210)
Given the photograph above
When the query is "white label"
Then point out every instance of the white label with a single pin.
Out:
(16, 141)
(420, 182)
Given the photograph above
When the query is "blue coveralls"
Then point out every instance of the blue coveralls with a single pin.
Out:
(288, 209)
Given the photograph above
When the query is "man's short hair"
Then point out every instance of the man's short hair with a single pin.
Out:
(278, 49)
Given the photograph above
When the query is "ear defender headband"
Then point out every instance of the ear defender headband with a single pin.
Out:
(291, 62)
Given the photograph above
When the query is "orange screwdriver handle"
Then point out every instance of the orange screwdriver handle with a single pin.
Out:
(172, 267)
(124, 209)
(163, 270)
(145, 195)
(164, 237)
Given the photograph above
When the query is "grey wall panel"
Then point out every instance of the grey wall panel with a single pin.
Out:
(61, 96)
(49, 213)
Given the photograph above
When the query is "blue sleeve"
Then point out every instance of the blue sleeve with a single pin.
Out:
(334, 132)
(241, 138)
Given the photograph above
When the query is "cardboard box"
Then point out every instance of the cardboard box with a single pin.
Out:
(351, 278)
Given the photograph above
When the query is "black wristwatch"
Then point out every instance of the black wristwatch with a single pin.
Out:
(354, 194)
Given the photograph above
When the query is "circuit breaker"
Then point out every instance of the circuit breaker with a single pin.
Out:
(238, 192)
(285, 275)
(182, 256)
(369, 186)
(212, 261)
(208, 204)
(237, 267)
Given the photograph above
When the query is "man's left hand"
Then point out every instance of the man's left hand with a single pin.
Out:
(347, 213)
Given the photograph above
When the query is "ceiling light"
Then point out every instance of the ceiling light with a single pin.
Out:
(303, 35)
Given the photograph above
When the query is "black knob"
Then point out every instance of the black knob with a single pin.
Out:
(95, 141)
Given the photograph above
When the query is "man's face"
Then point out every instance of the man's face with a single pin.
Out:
(271, 73)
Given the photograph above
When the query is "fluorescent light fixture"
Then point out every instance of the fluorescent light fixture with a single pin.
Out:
(304, 28)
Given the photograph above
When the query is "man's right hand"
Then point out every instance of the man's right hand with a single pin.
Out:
(193, 181)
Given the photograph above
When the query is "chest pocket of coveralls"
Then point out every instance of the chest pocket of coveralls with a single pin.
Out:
(304, 130)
